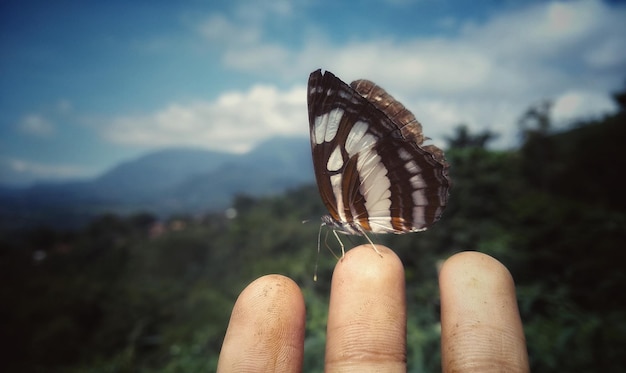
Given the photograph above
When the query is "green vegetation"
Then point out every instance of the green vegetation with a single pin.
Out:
(131, 294)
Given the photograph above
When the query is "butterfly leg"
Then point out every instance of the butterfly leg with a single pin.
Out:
(319, 234)
(371, 243)
(343, 251)
(373, 246)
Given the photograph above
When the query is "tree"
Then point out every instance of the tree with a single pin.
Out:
(464, 139)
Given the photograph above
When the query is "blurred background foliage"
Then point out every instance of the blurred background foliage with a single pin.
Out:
(136, 294)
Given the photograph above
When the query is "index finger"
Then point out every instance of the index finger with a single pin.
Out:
(367, 316)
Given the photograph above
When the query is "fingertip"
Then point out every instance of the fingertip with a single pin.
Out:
(367, 314)
(364, 261)
(480, 322)
(276, 291)
(473, 263)
(273, 287)
(266, 328)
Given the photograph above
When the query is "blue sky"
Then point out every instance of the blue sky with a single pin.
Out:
(87, 84)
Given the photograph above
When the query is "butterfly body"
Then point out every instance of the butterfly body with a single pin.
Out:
(372, 170)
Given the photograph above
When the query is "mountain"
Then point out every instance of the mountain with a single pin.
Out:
(147, 177)
(164, 182)
(271, 168)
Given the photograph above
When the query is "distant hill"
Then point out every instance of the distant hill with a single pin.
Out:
(164, 182)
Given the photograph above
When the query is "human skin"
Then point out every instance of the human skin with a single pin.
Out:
(481, 330)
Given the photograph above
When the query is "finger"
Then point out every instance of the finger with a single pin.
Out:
(481, 330)
(367, 317)
(266, 328)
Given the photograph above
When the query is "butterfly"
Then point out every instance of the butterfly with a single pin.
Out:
(372, 170)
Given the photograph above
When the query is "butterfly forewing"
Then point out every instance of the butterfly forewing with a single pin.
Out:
(371, 171)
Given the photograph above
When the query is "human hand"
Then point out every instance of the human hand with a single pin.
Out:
(481, 330)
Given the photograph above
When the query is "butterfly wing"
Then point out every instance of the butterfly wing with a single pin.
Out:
(370, 169)
(424, 167)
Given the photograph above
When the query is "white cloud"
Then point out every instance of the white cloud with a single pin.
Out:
(64, 106)
(244, 26)
(221, 30)
(235, 122)
(36, 125)
(607, 53)
(485, 76)
(576, 105)
(249, 57)
(260, 10)
(23, 172)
